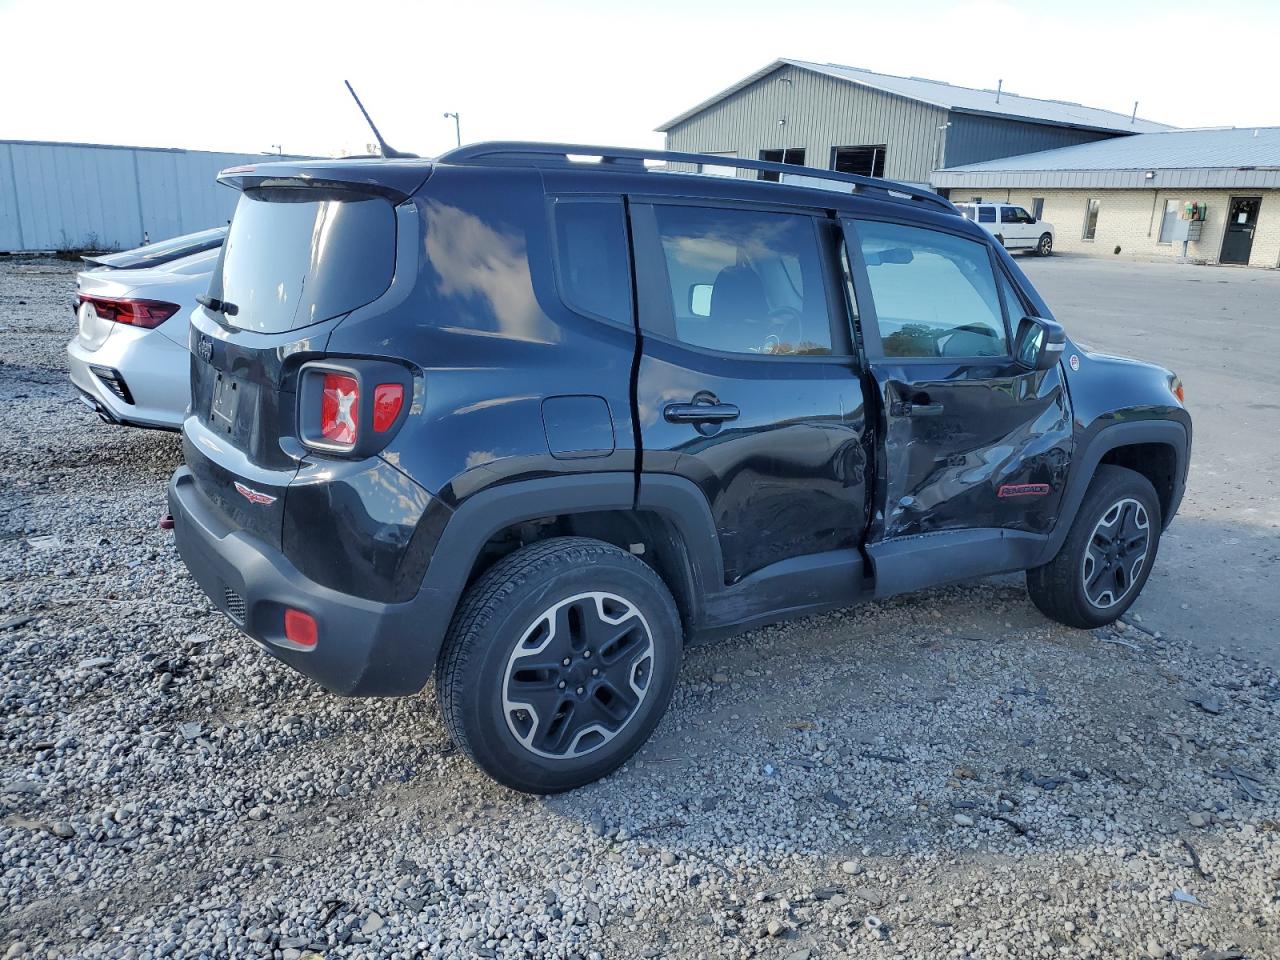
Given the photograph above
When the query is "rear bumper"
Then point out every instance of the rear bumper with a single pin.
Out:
(365, 648)
(154, 369)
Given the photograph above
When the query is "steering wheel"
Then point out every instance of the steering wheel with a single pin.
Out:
(786, 328)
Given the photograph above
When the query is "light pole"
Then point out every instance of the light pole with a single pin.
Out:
(457, 126)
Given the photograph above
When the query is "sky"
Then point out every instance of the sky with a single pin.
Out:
(263, 76)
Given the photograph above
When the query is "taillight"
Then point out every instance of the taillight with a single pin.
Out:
(340, 409)
(136, 313)
(388, 398)
(351, 407)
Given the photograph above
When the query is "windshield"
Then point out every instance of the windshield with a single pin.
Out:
(296, 256)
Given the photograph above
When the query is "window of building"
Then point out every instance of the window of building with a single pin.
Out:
(745, 281)
(719, 170)
(593, 266)
(789, 155)
(1091, 219)
(867, 161)
(1170, 220)
(935, 293)
(1037, 207)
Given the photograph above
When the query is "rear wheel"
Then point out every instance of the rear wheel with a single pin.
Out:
(1107, 556)
(559, 663)
(1045, 246)
(1000, 239)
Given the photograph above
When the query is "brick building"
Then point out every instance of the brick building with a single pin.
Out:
(1128, 196)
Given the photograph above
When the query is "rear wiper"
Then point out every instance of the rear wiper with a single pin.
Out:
(218, 306)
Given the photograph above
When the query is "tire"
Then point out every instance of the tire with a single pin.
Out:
(1044, 247)
(1000, 239)
(507, 698)
(1088, 585)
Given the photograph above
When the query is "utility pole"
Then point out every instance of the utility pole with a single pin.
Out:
(457, 126)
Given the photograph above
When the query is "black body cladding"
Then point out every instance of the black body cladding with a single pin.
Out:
(562, 389)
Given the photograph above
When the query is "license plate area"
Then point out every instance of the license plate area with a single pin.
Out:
(226, 400)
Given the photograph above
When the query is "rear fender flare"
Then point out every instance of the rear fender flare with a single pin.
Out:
(481, 516)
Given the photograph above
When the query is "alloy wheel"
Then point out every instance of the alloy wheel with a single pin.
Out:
(1115, 553)
(1046, 246)
(578, 675)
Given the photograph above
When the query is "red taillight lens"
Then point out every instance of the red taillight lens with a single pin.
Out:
(388, 398)
(300, 628)
(340, 409)
(136, 313)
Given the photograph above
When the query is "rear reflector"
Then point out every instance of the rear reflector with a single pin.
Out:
(340, 409)
(300, 628)
(388, 398)
(135, 313)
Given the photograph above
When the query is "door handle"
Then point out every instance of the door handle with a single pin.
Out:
(905, 409)
(696, 413)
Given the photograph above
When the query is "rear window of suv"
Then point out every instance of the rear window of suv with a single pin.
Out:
(296, 256)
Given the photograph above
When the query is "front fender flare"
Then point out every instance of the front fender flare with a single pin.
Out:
(1168, 432)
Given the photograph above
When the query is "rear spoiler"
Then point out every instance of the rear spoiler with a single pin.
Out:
(395, 179)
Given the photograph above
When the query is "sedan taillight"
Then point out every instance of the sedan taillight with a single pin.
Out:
(136, 313)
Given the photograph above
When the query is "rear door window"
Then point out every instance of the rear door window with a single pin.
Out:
(296, 256)
(986, 214)
(745, 281)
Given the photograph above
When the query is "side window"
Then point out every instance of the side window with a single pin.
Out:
(744, 281)
(1023, 216)
(593, 267)
(934, 293)
(1009, 215)
(986, 214)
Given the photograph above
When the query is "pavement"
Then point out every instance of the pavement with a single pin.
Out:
(1217, 580)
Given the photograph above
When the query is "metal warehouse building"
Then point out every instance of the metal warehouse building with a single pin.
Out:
(61, 196)
(903, 128)
(1212, 196)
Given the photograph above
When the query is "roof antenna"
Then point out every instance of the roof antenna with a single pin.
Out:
(999, 87)
(388, 151)
(1134, 118)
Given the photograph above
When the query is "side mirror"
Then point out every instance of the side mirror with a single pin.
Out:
(1040, 343)
(700, 299)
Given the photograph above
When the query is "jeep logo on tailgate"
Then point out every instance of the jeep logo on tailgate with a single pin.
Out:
(252, 495)
(204, 349)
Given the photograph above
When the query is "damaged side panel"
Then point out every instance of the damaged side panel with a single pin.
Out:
(970, 447)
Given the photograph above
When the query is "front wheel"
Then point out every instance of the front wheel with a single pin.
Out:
(1045, 247)
(559, 663)
(1107, 556)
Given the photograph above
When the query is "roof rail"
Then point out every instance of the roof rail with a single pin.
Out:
(546, 154)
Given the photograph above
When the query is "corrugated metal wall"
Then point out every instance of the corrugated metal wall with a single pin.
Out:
(820, 113)
(972, 139)
(69, 196)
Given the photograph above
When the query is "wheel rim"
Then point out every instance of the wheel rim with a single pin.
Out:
(1115, 553)
(1046, 245)
(578, 675)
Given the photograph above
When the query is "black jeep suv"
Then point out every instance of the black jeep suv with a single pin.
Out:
(531, 417)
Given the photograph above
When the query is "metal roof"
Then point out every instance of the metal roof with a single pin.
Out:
(950, 97)
(1227, 157)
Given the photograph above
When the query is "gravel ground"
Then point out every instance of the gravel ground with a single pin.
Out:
(946, 775)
